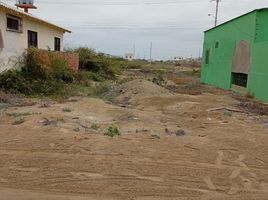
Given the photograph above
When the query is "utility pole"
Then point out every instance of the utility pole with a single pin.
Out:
(134, 51)
(217, 11)
(151, 49)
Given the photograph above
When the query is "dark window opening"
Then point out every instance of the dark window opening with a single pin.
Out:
(217, 45)
(57, 46)
(14, 24)
(1, 40)
(207, 56)
(32, 39)
(240, 79)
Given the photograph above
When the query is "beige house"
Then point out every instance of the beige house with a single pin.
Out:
(20, 30)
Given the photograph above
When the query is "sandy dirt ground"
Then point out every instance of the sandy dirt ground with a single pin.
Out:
(172, 147)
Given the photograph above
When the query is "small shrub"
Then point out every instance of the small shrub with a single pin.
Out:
(17, 114)
(19, 121)
(228, 113)
(104, 65)
(177, 64)
(60, 71)
(159, 79)
(196, 73)
(156, 137)
(94, 126)
(112, 132)
(76, 130)
(66, 110)
(100, 90)
(4, 97)
(250, 95)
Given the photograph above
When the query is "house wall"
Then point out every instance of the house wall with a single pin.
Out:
(218, 71)
(258, 78)
(252, 28)
(15, 43)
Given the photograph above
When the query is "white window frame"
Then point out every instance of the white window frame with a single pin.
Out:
(20, 24)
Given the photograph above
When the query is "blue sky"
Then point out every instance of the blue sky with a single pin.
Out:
(175, 27)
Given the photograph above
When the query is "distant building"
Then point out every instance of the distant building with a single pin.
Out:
(20, 30)
(235, 54)
(129, 56)
(177, 59)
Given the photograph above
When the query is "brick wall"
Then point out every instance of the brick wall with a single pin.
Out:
(71, 59)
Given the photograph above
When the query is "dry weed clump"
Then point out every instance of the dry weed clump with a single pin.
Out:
(4, 97)
(180, 80)
(191, 89)
(254, 107)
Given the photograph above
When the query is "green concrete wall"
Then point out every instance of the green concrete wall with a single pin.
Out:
(258, 79)
(253, 28)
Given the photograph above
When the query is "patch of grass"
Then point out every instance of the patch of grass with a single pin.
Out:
(19, 121)
(228, 114)
(104, 66)
(156, 137)
(250, 95)
(94, 126)
(112, 132)
(76, 130)
(60, 119)
(66, 110)
(17, 114)
(191, 89)
(159, 79)
(196, 73)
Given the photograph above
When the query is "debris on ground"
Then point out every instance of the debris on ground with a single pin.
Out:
(156, 137)
(224, 109)
(254, 107)
(180, 133)
(49, 122)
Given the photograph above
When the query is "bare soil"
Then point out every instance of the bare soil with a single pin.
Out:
(172, 146)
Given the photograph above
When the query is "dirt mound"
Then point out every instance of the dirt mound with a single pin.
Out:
(128, 92)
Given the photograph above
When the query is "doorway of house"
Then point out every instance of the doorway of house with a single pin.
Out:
(241, 65)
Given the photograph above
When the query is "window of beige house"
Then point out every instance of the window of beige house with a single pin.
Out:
(32, 39)
(14, 24)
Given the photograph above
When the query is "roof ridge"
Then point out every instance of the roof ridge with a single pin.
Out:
(255, 10)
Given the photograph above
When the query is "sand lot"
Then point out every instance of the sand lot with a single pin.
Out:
(172, 147)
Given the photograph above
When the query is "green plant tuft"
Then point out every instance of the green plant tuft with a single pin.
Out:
(112, 132)
(94, 126)
(156, 137)
(19, 121)
(66, 110)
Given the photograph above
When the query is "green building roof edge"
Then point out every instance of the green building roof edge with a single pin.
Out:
(256, 10)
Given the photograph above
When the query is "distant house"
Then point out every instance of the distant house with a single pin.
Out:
(178, 59)
(129, 56)
(235, 54)
(20, 31)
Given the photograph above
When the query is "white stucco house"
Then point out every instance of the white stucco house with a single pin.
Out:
(129, 56)
(20, 30)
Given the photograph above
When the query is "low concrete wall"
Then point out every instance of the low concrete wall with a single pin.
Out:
(71, 59)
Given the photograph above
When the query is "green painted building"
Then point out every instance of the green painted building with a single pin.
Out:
(235, 54)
